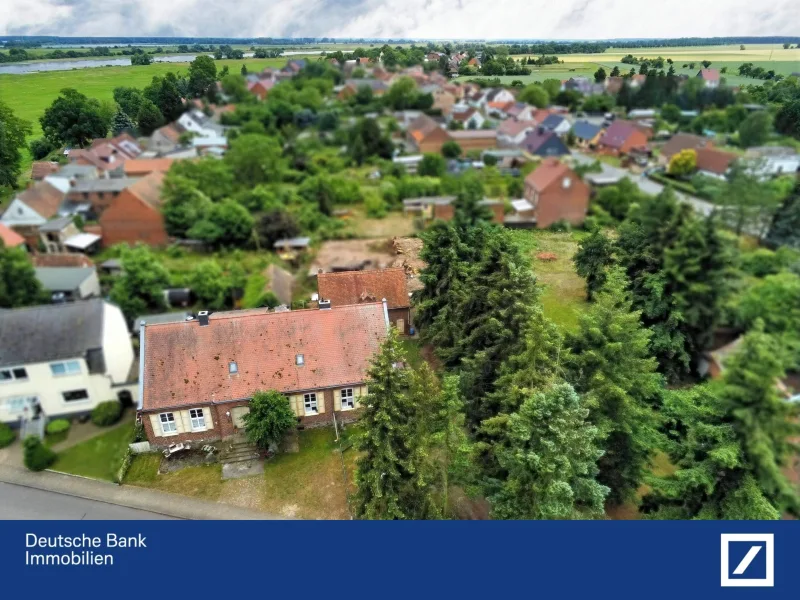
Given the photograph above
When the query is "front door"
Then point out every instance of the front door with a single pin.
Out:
(401, 326)
(237, 415)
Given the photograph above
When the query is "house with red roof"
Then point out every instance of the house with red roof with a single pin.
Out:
(710, 77)
(134, 215)
(10, 238)
(556, 193)
(512, 132)
(359, 287)
(714, 163)
(199, 375)
(620, 138)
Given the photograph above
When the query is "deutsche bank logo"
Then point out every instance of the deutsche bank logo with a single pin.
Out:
(748, 559)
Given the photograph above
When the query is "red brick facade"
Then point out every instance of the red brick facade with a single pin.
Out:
(131, 220)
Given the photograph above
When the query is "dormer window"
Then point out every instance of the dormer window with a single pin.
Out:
(567, 182)
(233, 368)
(299, 360)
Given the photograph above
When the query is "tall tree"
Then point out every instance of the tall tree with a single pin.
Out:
(122, 124)
(729, 441)
(595, 254)
(610, 365)
(149, 118)
(208, 283)
(202, 76)
(785, 226)
(140, 288)
(74, 119)
(549, 452)
(255, 159)
(12, 140)
(18, 283)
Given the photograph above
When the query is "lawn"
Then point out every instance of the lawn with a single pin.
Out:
(564, 296)
(99, 457)
(308, 484)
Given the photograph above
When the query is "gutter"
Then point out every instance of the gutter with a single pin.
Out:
(140, 401)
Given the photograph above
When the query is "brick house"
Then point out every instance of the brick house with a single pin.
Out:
(97, 194)
(358, 287)
(556, 193)
(32, 208)
(135, 214)
(426, 135)
(620, 138)
(475, 139)
(198, 376)
(682, 141)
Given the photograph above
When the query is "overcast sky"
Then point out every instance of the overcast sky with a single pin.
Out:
(474, 19)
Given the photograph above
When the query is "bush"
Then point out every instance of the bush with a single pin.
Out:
(7, 435)
(37, 456)
(57, 426)
(269, 419)
(107, 413)
(560, 226)
(375, 206)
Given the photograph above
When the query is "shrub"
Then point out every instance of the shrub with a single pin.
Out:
(560, 226)
(107, 413)
(7, 435)
(375, 205)
(57, 426)
(37, 456)
(269, 419)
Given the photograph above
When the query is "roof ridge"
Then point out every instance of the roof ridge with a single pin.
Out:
(373, 270)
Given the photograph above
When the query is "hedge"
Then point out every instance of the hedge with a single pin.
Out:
(57, 426)
(37, 456)
(107, 413)
(7, 435)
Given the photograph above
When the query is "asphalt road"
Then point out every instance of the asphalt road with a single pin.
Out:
(19, 502)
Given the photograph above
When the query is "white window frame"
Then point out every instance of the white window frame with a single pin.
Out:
(71, 367)
(348, 398)
(64, 398)
(233, 368)
(11, 376)
(17, 404)
(198, 419)
(310, 404)
(170, 423)
(299, 360)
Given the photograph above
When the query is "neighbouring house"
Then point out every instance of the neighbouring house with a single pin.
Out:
(107, 155)
(557, 124)
(32, 208)
(520, 111)
(10, 238)
(431, 207)
(359, 287)
(199, 375)
(620, 138)
(91, 197)
(556, 193)
(541, 142)
(42, 169)
(261, 88)
(587, 135)
(165, 139)
(643, 113)
(55, 233)
(469, 117)
(614, 84)
(351, 87)
(714, 163)
(710, 77)
(498, 95)
(409, 163)
(135, 214)
(583, 85)
(443, 101)
(426, 135)
(511, 132)
(475, 139)
(69, 284)
(170, 317)
(62, 360)
(210, 145)
(141, 167)
(67, 259)
(75, 171)
(682, 141)
(199, 123)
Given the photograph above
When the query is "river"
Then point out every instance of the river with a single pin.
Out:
(89, 63)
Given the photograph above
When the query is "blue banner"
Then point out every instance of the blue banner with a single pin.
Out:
(139, 559)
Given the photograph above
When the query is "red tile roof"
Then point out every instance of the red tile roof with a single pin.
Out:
(684, 141)
(42, 198)
(709, 74)
(617, 134)
(11, 239)
(40, 170)
(512, 127)
(358, 287)
(62, 260)
(548, 171)
(714, 161)
(139, 167)
(186, 364)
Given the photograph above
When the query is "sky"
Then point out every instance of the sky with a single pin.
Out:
(432, 19)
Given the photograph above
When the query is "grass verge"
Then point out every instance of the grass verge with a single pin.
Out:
(99, 457)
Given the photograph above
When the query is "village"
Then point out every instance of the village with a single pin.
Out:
(244, 287)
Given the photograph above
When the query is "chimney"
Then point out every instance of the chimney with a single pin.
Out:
(385, 312)
(324, 304)
(202, 316)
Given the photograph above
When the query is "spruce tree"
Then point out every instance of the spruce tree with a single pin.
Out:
(549, 451)
(122, 124)
(730, 440)
(785, 228)
(594, 255)
(610, 365)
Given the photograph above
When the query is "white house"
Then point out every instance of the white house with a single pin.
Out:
(62, 360)
(197, 122)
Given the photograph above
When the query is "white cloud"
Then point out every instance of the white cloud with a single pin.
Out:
(437, 19)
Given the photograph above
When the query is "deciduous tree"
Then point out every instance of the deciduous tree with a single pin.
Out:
(18, 283)
(595, 254)
(74, 119)
(12, 140)
(269, 420)
(140, 288)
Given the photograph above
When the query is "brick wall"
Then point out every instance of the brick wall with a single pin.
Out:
(129, 220)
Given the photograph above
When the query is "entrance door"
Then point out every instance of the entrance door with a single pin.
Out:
(237, 413)
(401, 326)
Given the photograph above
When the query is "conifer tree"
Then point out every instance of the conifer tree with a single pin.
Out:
(594, 255)
(730, 440)
(122, 124)
(548, 451)
(611, 366)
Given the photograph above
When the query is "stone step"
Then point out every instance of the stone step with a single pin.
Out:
(234, 455)
(241, 459)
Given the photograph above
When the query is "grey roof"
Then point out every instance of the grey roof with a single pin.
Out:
(584, 130)
(56, 224)
(298, 242)
(62, 279)
(111, 184)
(552, 121)
(50, 332)
(76, 171)
(173, 317)
(426, 200)
(111, 263)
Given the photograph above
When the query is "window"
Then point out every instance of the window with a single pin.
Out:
(18, 373)
(299, 360)
(233, 368)
(348, 400)
(17, 404)
(310, 402)
(69, 367)
(75, 395)
(168, 423)
(198, 419)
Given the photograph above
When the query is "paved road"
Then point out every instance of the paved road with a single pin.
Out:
(19, 502)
